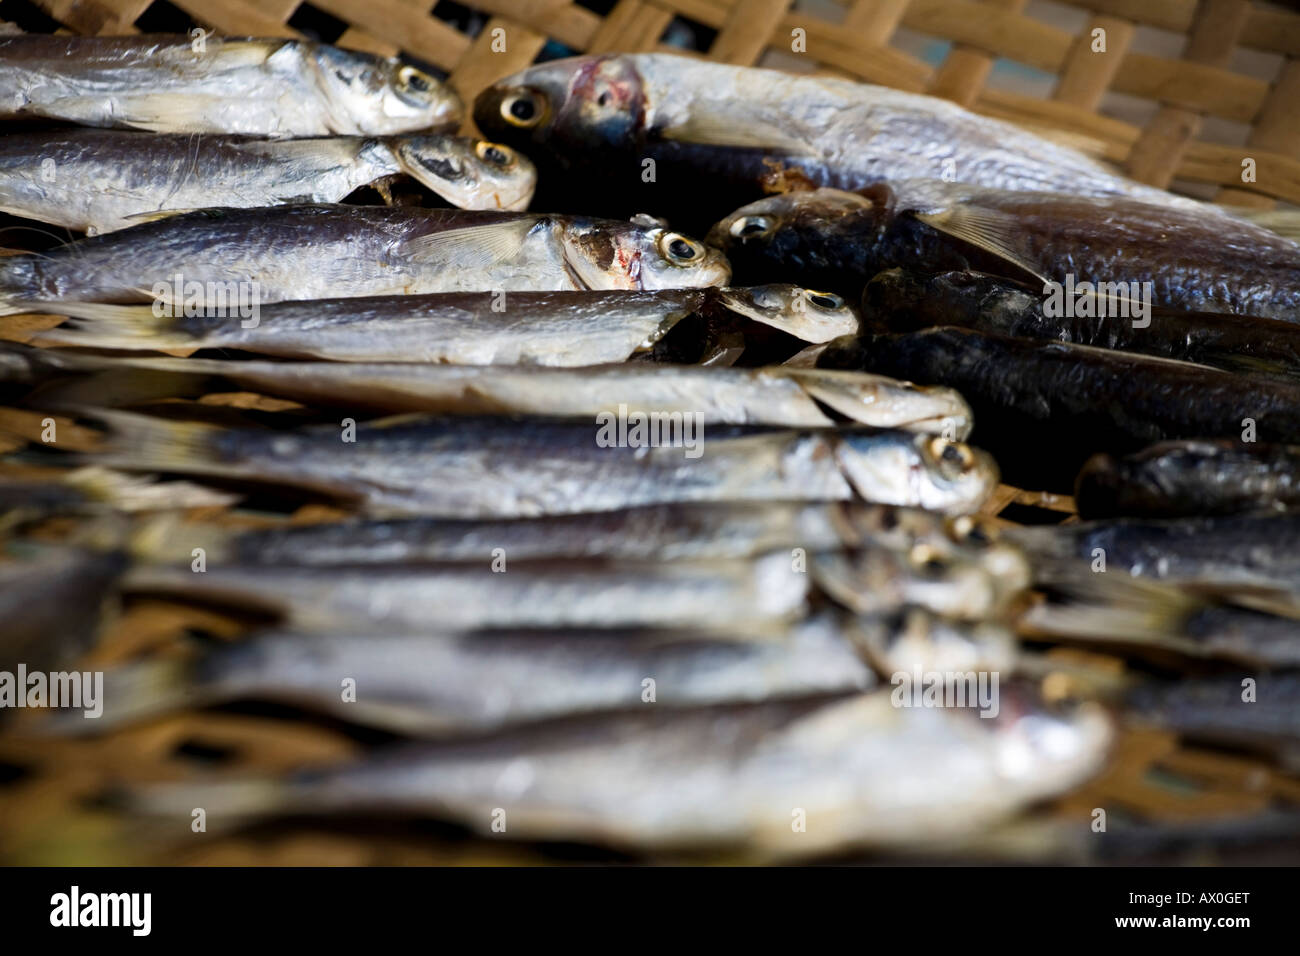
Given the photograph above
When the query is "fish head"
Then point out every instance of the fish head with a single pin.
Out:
(1041, 748)
(468, 173)
(803, 233)
(572, 105)
(808, 314)
(923, 471)
(375, 96)
(1003, 559)
(641, 254)
(919, 640)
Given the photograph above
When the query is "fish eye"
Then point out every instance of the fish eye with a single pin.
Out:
(675, 247)
(751, 227)
(953, 458)
(522, 109)
(495, 154)
(927, 559)
(409, 78)
(824, 300)
(969, 529)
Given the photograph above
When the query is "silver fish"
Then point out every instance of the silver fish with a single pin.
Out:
(258, 87)
(861, 772)
(522, 328)
(475, 468)
(669, 532)
(500, 593)
(714, 126)
(95, 181)
(439, 684)
(227, 262)
(738, 396)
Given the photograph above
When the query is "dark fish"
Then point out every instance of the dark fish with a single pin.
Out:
(1249, 552)
(1256, 712)
(1132, 254)
(1043, 408)
(52, 605)
(900, 300)
(1190, 478)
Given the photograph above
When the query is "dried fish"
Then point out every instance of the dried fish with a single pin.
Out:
(94, 180)
(259, 87)
(491, 467)
(227, 262)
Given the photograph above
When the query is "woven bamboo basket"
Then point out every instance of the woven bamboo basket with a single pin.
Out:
(1194, 95)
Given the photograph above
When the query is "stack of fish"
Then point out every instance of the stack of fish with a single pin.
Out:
(661, 538)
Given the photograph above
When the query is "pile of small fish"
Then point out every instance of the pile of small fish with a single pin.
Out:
(635, 539)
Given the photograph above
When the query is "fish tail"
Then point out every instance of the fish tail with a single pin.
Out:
(105, 326)
(126, 492)
(142, 441)
(137, 691)
(1115, 607)
(224, 805)
(168, 539)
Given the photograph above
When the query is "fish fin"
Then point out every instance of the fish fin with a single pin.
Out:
(988, 229)
(165, 112)
(158, 444)
(470, 247)
(1116, 608)
(100, 325)
(744, 131)
(227, 804)
(136, 218)
(127, 492)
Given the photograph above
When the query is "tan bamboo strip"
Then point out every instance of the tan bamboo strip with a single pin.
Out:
(874, 21)
(403, 25)
(966, 69)
(1089, 73)
(96, 16)
(233, 17)
(747, 29)
(1275, 130)
(1158, 151)
(633, 26)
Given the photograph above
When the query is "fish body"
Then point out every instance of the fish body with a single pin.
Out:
(1043, 408)
(51, 605)
(899, 300)
(1190, 479)
(1258, 551)
(94, 180)
(721, 395)
(454, 597)
(864, 773)
(1261, 713)
(257, 87)
(444, 684)
(730, 133)
(566, 328)
(471, 467)
(208, 260)
(1142, 253)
